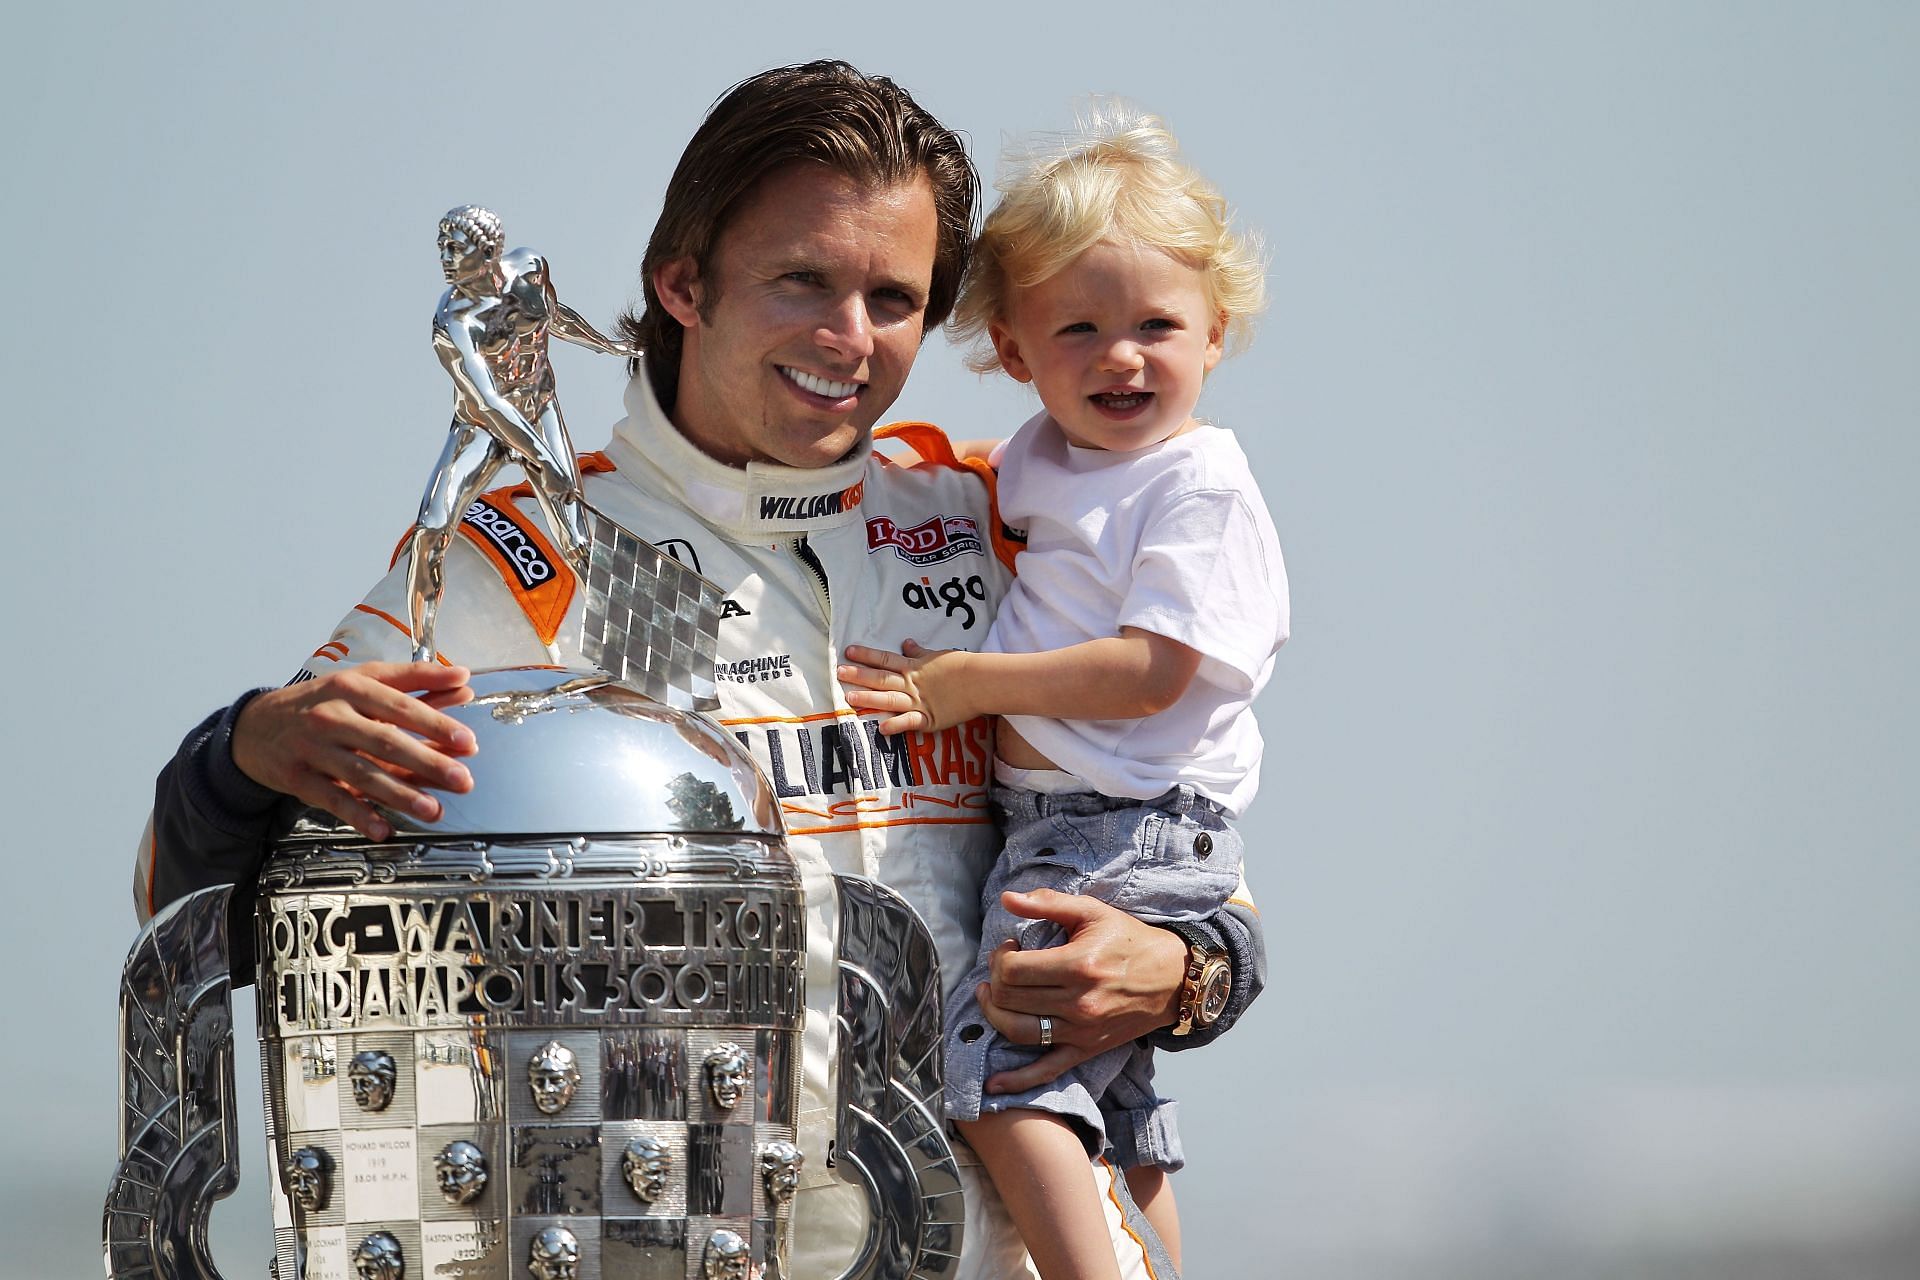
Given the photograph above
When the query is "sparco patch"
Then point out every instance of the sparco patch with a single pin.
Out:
(528, 562)
(810, 506)
(929, 542)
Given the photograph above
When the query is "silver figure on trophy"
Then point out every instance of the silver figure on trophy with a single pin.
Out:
(649, 620)
(555, 1033)
(490, 332)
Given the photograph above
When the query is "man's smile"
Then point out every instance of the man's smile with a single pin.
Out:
(825, 388)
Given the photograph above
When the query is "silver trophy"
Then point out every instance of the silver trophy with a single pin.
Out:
(556, 1033)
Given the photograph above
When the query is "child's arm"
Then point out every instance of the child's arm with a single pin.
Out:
(1123, 677)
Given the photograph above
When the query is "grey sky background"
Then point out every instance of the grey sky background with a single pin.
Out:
(1586, 409)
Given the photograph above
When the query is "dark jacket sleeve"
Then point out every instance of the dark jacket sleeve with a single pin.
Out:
(210, 826)
(1236, 928)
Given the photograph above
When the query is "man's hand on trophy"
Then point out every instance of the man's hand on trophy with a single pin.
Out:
(351, 739)
(1112, 981)
(925, 689)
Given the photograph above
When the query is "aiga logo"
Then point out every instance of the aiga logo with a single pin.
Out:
(810, 506)
(521, 552)
(955, 595)
(930, 541)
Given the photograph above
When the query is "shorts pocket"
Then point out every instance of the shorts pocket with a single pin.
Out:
(1185, 869)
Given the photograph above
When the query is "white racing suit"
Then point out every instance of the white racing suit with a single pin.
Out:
(863, 551)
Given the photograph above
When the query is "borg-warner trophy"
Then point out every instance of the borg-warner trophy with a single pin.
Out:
(556, 1033)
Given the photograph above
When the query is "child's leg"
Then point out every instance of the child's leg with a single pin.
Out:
(1040, 1169)
(1153, 1192)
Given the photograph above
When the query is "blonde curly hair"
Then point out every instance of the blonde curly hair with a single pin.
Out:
(1119, 173)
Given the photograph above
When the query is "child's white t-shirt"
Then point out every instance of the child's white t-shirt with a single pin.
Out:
(1174, 539)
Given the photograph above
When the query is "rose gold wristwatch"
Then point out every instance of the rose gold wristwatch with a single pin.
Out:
(1207, 983)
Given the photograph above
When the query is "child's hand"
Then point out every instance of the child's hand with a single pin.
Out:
(921, 685)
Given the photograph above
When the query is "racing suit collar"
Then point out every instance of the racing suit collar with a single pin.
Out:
(759, 501)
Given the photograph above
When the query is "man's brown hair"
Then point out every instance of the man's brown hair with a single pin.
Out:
(865, 127)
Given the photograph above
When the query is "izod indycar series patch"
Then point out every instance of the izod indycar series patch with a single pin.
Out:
(929, 542)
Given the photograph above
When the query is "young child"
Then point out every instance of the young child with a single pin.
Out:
(1150, 602)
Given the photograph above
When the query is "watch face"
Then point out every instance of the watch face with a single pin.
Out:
(1214, 986)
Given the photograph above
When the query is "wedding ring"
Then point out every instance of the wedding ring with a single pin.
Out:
(1046, 1032)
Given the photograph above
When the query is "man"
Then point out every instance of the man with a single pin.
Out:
(490, 332)
(815, 229)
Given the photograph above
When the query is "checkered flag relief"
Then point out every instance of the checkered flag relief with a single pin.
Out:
(651, 621)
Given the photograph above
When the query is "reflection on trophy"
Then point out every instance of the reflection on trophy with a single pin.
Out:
(569, 1010)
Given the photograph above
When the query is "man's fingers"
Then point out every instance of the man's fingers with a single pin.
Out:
(388, 706)
(312, 789)
(911, 722)
(1015, 1010)
(376, 785)
(1068, 909)
(1042, 1070)
(385, 695)
(414, 677)
(441, 699)
(392, 748)
(1030, 972)
(1021, 1026)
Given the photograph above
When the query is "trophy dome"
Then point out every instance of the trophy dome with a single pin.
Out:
(580, 754)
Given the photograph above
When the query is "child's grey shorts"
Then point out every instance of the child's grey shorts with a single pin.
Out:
(1174, 857)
